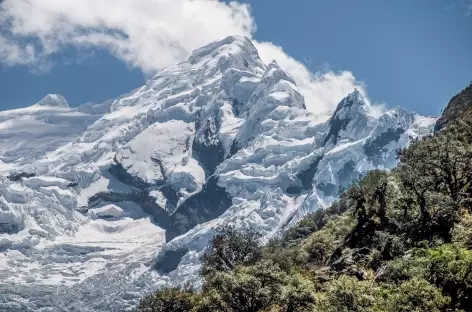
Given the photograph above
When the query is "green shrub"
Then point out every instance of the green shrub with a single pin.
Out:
(230, 248)
(451, 270)
(299, 295)
(416, 295)
(462, 232)
(246, 289)
(169, 300)
(349, 294)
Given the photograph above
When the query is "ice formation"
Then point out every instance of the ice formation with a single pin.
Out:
(101, 204)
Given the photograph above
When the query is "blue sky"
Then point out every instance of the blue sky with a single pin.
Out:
(412, 53)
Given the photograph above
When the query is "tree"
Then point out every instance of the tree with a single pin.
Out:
(299, 294)
(246, 289)
(168, 300)
(447, 267)
(450, 268)
(437, 172)
(368, 199)
(442, 163)
(349, 294)
(260, 287)
(308, 225)
(416, 295)
(462, 232)
(230, 248)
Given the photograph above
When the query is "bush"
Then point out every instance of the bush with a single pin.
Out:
(287, 258)
(448, 267)
(320, 247)
(416, 295)
(312, 222)
(246, 289)
(308, 225)
(462, 232)
(230, 248)
(169, 300)
(261, 287)
(349, 294)
(451, 270)
(299, 295)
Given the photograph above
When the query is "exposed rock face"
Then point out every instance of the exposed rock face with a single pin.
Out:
(459, 107)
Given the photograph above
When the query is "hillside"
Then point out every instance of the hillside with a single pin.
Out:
(394, 241)
(460, 107)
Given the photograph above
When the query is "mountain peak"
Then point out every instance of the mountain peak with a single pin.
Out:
(355, 97)
(274, 72)
(351, 112)
(229, 45)
(54, 100)
(354, 101)
(235, 52)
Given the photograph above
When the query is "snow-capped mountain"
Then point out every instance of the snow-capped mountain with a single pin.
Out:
(102, 203)
(27, 134)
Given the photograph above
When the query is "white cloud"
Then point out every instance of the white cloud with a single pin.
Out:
(13, 53)
(148, 34)
(322, 90)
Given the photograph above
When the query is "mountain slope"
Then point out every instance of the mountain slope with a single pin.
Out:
(394, 241)
(460, 107)
(27, 134)
(131, 203)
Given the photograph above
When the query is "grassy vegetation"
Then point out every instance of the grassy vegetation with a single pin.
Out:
(394, 241)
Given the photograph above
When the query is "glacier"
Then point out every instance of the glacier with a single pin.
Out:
(103, 203)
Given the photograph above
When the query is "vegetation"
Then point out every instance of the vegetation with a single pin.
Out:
(394, 241)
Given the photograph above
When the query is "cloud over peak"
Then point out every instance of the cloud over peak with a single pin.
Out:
(147, 34)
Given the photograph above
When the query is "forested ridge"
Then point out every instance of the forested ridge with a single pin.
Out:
(394, 241)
